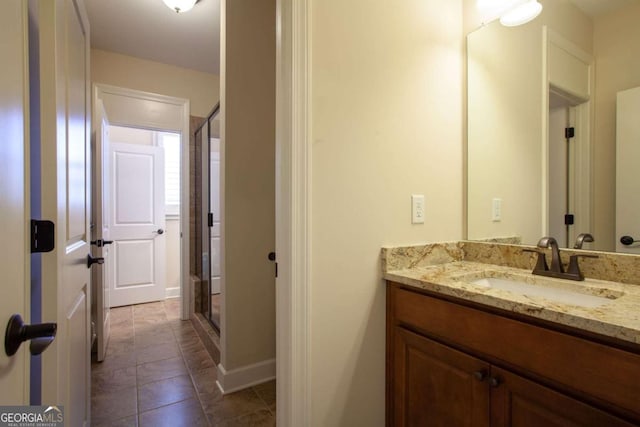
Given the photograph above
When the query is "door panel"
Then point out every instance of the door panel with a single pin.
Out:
(435, 385)
(77, 362)
(135, 263)
(627, 158)
(77, 148)
(135, 218)
(64, 43)
(133, 180)
(518, 402)
(14, 261)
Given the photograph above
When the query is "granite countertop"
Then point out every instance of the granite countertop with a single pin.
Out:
(619, 317)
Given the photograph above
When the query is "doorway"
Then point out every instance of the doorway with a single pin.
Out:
(135, 112)
(568, 168)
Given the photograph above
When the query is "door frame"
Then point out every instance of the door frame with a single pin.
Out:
(146, 119)
(293, 211)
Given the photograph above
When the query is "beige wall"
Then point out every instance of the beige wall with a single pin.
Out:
(616, 41)
(386, 123)
(131, 135)
(248, 174)
(505, 131)
(202, 89)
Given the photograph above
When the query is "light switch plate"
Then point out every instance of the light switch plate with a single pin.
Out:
(417, 209)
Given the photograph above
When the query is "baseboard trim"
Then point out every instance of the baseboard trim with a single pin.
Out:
(246, 376)
(172, 292)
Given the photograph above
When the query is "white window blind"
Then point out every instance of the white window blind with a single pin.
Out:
(171, 144)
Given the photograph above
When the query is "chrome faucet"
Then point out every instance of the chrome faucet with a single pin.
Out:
(581, 239)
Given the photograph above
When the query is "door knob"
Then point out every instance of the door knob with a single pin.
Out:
(159, 231)
(41, 335)
(628, 240)
(494, 382)
(100, 243)
(480, 375)
(91, 260)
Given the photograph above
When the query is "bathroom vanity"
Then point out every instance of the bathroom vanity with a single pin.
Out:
(463, 352)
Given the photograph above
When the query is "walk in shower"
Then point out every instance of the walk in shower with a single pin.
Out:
(208, 224)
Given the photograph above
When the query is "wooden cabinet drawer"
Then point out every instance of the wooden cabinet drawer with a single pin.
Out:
(588, 368)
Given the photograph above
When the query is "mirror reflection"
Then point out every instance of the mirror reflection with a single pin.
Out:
(554, 127)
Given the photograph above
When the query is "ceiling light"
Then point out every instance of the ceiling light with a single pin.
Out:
(180, 5)
(521, 14)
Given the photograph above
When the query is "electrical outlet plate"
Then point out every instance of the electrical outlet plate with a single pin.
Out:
(417, 209)
(496, 210)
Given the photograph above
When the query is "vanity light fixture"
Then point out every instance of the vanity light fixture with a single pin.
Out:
(521, 14)
(180, 6)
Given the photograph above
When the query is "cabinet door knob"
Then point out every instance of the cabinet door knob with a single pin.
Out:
(480, 375)
(494, 382)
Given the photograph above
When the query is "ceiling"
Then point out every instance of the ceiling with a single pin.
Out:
(150, 30)
(600, 7)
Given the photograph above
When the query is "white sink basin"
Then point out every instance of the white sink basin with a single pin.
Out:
(583, 294)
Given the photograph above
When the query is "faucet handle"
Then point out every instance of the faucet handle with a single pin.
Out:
(574, 267)
(541, 262)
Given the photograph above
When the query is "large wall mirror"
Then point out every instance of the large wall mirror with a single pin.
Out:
(576, 66)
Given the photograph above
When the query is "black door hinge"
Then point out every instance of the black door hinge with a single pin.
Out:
(210, 219)
(43, 236)
(272, 257)
(569, 133)
(568, 219)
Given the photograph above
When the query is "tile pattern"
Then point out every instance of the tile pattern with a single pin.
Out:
(158, 373)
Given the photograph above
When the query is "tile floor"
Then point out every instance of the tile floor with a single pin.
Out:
(157, 373)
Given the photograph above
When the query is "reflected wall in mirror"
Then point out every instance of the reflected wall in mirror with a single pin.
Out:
(525, 86)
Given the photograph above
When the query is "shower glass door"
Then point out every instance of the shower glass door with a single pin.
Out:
(209, 218)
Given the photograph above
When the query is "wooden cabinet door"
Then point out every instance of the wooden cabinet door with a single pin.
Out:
(517, 402)
(434, 385)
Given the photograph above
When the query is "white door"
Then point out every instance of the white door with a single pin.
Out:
(102, 277)
(14, 260)
(137, 223)
(627, 159)
(65, 150)
(214, 188)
